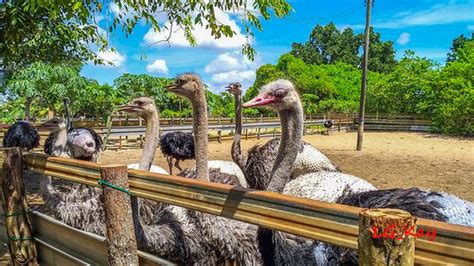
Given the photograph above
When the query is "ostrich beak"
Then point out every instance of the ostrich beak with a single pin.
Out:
(128, 108)
(171, 87)
(261, 100)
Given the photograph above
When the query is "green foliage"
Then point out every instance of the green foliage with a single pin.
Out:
(328, 45)
(456, 46)
(454, 101)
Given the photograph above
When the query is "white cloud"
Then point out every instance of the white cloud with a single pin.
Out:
(231, 67)
(203, 36)
(436, 15)
(470, 27)
(404, 38)
(113, 57)
(114, 8)
(159, 66)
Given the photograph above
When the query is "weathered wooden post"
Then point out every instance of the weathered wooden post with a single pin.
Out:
(15, 210)
(121, 242)
(219, 136)
(385, 237)
(258, 133)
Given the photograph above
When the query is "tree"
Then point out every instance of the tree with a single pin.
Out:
(182, 14)
(457, 44)
(46, 85)
(453, 99)
(381, 54)
(31, 32)
(328, 45)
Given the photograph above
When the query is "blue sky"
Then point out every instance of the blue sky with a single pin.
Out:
(427, 27)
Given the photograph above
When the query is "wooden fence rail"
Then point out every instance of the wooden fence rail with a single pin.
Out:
(328, 222)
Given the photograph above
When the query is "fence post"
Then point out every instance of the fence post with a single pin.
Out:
(258, 133)
(121, 242)
(219, 136)
(15, 207)
(383, 239)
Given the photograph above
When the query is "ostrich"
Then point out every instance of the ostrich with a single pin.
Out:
(177, 145)
(232, 240)
(22, 134)
(276, 248)
(328, 125)
(257, 165)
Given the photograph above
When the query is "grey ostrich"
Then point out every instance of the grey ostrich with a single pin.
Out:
(228, 239)
(278, 248)
(257, 164)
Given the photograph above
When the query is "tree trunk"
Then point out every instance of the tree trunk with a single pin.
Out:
(383, 239)
(18, 224)
(121, 242)
(27, 108)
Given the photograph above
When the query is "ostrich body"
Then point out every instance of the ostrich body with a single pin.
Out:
(257, 165)
(178, 146)
(228, 239)
(22, 134)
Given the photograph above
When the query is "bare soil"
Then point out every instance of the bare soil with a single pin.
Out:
(388, 160)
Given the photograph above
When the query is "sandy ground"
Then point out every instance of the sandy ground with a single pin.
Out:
(387, 160)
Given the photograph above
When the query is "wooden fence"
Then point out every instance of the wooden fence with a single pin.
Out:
(328, 222)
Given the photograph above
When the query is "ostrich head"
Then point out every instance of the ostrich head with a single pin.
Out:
(143, 107)
(235, 88)
(53, 124)
(186, 85)
(279, 95)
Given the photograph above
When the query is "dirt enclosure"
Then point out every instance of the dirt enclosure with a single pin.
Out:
(387, 160)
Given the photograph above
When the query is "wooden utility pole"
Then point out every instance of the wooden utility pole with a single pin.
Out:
(121, 242)
(15, 210)
(360, 130)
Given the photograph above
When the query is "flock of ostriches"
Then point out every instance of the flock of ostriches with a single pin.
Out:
(286, 165)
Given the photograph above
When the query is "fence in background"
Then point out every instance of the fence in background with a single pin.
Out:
(128, 132)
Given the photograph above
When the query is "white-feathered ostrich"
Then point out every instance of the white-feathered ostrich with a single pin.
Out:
(177, 145)
(229, 239)
(257, 164)
(277, 248)
(22, 134)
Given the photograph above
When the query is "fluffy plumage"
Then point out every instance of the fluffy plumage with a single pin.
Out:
(153, 168)
(22, 134)
(178, 146)
(260, 160)
(421, 203)
(326, 186)
(84, 143)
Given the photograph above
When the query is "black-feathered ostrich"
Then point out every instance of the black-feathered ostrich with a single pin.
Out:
(22, 134)
(179, 146)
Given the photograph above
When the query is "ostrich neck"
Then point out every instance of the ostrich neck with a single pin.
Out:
(151, 134)
(238, 114)
(200, 135)
(292, 131)
(148, 154)
(236, 150)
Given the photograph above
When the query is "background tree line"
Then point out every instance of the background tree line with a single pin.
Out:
(325, 69)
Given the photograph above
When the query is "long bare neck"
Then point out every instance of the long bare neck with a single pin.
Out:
(292, 131)
(151, 142)
(236, 150)
(238, 114)
(200, 135)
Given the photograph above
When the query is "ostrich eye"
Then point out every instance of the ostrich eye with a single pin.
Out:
(55, 122)
(139, 103)
(280, 93)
